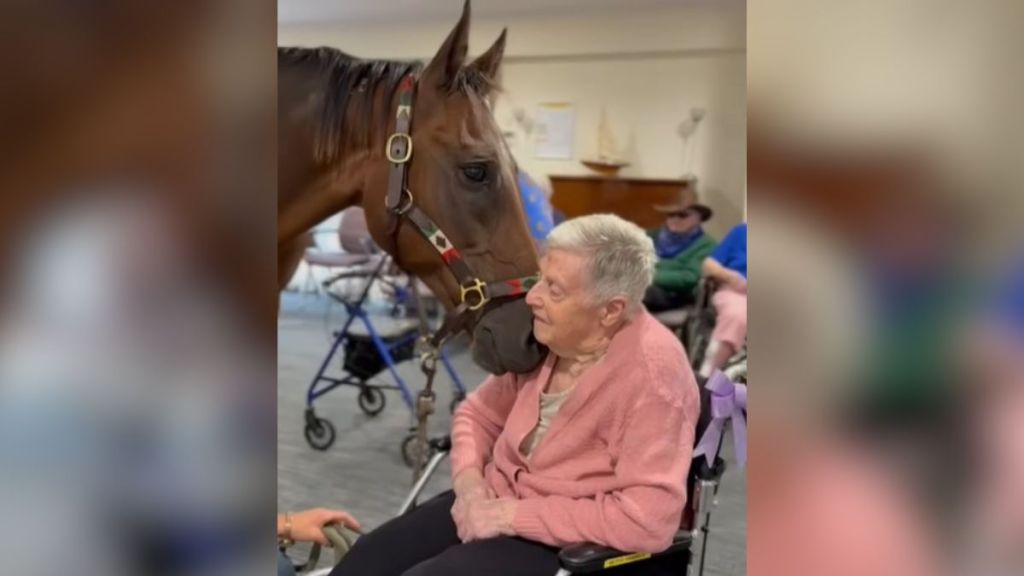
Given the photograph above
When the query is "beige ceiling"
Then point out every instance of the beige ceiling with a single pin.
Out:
(312, 11)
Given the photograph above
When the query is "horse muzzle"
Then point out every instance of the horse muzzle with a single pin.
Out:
(503, 339)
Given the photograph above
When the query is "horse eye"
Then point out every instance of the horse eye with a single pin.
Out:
(475, 172)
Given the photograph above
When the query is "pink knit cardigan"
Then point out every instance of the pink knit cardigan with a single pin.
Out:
(612, 467)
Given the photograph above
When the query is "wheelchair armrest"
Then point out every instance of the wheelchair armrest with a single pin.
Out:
(587, 558)
(676, 318)
(702, 471)
(441, 444)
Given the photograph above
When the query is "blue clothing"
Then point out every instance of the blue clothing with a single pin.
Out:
(1008, 310)
(668, 244)
(732, 252)
(536, 207)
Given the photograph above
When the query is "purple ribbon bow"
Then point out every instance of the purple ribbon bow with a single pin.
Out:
(728, 401)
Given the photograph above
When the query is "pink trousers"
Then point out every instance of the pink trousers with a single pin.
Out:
(731, 324)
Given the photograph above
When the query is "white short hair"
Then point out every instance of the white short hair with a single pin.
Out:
(620, 256)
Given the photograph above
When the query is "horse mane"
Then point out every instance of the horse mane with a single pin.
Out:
(351, 80)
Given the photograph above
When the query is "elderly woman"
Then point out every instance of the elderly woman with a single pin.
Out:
(592, 446)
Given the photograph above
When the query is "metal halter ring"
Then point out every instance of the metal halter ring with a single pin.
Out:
(408, 148)
(474, 286)
(405, 202)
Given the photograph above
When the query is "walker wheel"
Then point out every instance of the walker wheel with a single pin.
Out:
(371, 400)
(320, 435)
(410, 450)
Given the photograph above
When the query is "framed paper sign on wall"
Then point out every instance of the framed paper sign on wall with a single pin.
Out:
(554, 131)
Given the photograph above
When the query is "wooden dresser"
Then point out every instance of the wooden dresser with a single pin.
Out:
(631, 198)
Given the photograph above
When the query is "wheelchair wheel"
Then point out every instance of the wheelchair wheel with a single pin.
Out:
(371, 400)
(410, 450)
(455, 402)
(320, 435)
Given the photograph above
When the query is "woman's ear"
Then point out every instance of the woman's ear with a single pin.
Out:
(614, 311)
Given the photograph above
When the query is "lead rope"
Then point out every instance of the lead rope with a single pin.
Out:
(424, 408)
(428, 365)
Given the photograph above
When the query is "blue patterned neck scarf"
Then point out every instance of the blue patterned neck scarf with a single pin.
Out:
(668, 244)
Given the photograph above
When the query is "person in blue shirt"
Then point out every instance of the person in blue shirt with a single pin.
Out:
(727, 267)
(536, 207)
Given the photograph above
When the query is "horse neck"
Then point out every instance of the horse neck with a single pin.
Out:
(323, 194)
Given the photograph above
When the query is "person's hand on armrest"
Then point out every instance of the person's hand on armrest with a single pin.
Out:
(714, 270)
(737, 282)
(307, 526)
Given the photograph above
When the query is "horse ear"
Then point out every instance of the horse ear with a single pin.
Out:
(489, 62)
(449, 58)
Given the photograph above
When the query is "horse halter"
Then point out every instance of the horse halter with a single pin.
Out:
(474, 293)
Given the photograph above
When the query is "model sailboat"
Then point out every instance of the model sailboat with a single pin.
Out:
(606, 162)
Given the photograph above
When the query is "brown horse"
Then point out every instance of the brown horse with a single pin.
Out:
(335, 115)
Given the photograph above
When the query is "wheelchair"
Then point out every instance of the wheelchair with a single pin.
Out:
(690, 542)
(694, 326)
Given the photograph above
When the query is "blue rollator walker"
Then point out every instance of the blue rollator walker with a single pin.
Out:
(366, 355)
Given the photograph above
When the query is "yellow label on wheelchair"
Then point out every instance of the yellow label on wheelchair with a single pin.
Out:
(613, 562)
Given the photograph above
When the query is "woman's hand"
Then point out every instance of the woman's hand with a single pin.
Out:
(307, 526)
(488, 518)
(470, 484)
(469, 487)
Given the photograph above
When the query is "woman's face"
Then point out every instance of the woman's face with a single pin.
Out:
(682, 222)
(565, 317)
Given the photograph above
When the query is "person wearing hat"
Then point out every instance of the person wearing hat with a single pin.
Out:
(681, 246)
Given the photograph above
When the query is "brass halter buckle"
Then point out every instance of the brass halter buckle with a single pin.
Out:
(474, 286)
(408, 148)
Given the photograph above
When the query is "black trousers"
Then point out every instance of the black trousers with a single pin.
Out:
(658, 299)
(424, 543)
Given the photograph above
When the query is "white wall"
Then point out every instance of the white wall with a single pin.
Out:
(646, 68)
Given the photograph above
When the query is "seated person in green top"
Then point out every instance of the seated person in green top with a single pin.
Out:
(682, 246)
